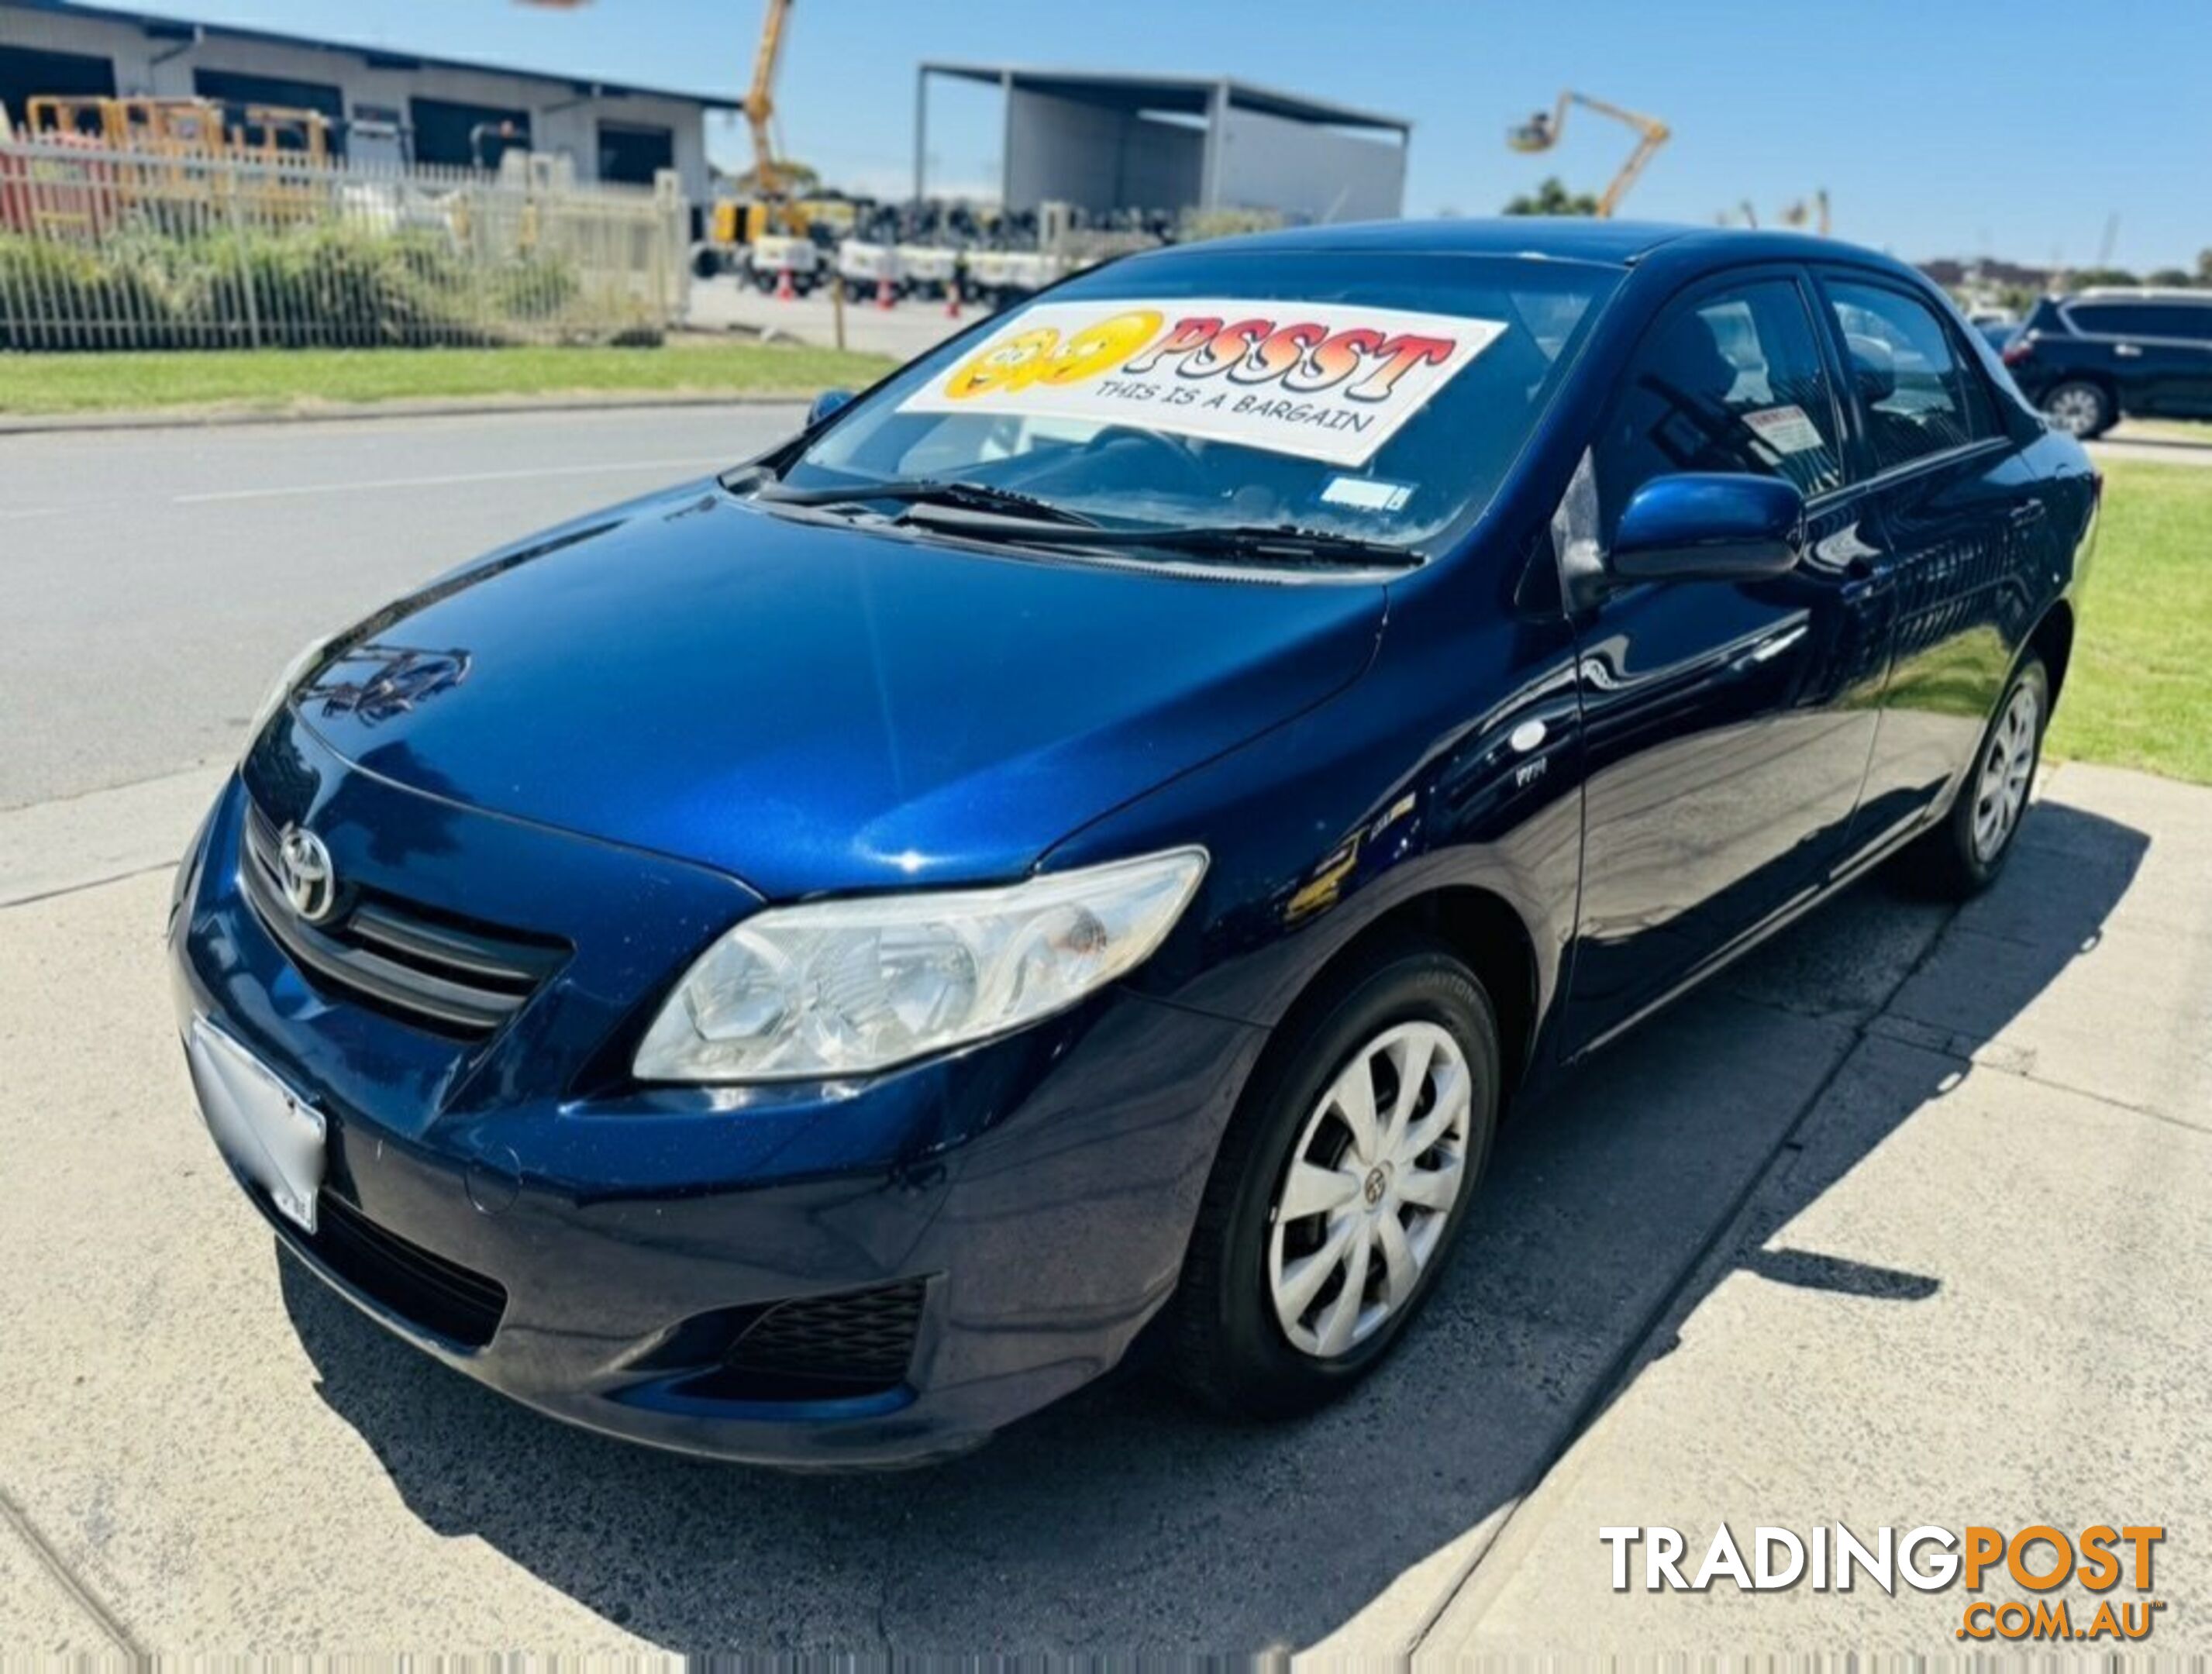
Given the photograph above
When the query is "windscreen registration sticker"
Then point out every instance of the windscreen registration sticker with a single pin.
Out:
(1327, 381)
(1366, 494)
(1785, 430)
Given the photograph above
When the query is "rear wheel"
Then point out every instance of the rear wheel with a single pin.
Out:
(1964, 854)
(2079, 408)
(1342, 1184)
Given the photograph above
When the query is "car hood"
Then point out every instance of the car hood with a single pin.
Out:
(815, 708)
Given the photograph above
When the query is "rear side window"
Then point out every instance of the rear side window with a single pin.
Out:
(1917, 393)
(1731, 381)
(2183, 322)
(2190, 322)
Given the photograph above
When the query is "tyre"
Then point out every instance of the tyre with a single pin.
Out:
(1962, 856)
(1342, 1184)
(2079, 408)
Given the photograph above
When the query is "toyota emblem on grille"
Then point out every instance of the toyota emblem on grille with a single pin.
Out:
(303, 867)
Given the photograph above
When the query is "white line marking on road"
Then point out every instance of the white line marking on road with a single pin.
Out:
(585, 470)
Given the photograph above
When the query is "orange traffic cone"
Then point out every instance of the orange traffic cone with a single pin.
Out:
(785, 290)
(883, 297)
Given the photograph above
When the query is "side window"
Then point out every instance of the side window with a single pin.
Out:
(2177, 322)
(1731, 381)
(2123, 319)
(2186, 322)
(2097, 320)
(1919, 397)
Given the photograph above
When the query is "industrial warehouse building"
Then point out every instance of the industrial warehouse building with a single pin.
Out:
(383, 105)
(1108, 143)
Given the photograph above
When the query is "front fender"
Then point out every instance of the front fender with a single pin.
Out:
(1455, 763)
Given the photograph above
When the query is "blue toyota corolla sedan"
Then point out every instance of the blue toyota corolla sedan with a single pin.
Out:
(1085, 842)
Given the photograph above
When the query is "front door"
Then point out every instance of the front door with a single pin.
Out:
(1728, 725)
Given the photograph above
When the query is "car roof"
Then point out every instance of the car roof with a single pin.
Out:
(1557, 238)
(2141, 294)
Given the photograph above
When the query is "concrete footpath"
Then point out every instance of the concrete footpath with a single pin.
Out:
(1902, 1222)
(1975, 1287)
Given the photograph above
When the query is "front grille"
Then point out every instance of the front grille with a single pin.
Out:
(441, 1296)
(424, 968)
(857, 1343)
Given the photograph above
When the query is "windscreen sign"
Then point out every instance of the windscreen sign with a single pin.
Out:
(1327, 381)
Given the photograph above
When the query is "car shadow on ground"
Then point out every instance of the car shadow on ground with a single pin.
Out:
(1124, 1518)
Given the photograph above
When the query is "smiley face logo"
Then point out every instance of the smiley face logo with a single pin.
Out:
(1041, 355)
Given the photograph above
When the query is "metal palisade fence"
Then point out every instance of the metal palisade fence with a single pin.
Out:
(105, 248)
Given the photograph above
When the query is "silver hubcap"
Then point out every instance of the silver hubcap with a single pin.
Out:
(2075, 409)
(2009, 764)
(1370, 1189)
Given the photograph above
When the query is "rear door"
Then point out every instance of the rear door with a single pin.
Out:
(1727, 725)
(1957, 516)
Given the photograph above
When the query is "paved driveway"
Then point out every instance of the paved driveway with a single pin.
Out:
(902, 331)
(2170, 447)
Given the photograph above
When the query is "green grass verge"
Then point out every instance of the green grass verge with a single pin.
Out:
(281, 379)
(2139, 689)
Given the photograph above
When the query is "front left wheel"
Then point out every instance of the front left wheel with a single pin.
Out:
(1342, 1185)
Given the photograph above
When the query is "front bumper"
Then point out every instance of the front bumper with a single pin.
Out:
(1021, 1209)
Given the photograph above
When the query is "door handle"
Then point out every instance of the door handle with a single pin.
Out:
(1768, 649)
(2127, 351)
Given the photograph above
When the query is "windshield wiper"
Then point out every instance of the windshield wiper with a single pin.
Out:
(1276, 543)
(1265, 543)
(930, 491)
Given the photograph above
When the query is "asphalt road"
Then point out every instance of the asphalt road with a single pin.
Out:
(156, 581)
(1900, 1222)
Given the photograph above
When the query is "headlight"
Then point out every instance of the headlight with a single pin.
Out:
(849, 987)
(294, 672)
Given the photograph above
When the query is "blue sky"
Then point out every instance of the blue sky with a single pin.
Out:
(1938, 127)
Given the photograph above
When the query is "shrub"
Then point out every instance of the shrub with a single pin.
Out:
(154, 283)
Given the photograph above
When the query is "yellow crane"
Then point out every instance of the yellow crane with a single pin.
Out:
(767, 208)
(1814, 214)
(760, 100)
(1542, 131)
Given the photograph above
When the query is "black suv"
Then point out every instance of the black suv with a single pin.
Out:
(2087, 360)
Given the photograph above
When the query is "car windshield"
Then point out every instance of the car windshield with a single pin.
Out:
(1378, 398)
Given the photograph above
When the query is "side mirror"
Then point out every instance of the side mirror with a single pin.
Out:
(1709, 527)
(828, 404)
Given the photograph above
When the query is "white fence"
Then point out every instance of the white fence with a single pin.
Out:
(103, 248)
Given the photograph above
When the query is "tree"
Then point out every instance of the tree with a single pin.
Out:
(2204, 267)
(1552, 198)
